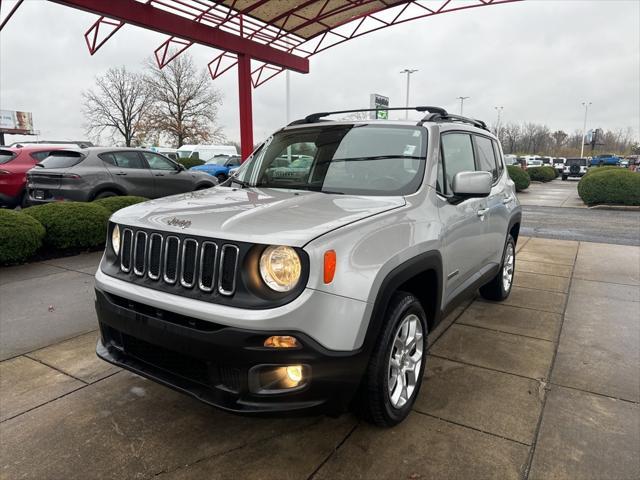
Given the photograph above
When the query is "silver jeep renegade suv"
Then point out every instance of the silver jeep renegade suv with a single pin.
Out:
(309, 280)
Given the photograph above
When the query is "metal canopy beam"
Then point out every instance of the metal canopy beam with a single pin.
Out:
(149, 17)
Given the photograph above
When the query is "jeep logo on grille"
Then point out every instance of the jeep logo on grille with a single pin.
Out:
(176, 222)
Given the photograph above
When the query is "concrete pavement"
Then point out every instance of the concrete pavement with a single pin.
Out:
(544, 385)
(557, 193)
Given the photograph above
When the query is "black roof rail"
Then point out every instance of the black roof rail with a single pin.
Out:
(447, 117)
(315, 117)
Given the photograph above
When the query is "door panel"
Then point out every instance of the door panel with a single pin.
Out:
(129, 170)
(169, 179)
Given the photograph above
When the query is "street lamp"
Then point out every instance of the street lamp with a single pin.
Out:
(584, 127)
(499, 110)
(462, 99)
(408, 72)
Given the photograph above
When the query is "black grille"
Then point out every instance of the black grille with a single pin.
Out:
(140, 253)
(171, 255)
(181, 261)
(125, 259)
(155, 256)
(230, 378)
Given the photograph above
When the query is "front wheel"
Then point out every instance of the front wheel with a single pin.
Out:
(396, 367)
(499, 287)
(221, 178)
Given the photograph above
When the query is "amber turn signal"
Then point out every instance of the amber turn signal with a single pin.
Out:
(281, 341)
(329, 265)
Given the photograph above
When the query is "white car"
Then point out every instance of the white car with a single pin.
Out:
(558, 164)
(206, 152)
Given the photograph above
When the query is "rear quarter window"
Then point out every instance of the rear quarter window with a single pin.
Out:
(62, 159)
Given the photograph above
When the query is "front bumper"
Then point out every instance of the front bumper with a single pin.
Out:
(212, 362)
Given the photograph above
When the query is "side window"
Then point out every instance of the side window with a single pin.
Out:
(126, 160)
(108, 158)
(458, 155)
(486, 156)
(158, 162)
(499, 160)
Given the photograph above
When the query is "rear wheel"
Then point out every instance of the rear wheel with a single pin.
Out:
(105, 194)
(564, 177)
(394, 375)
(499, 287)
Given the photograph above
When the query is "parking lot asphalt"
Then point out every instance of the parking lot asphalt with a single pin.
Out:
(544, 385)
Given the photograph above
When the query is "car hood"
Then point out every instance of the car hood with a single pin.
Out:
(268, 216)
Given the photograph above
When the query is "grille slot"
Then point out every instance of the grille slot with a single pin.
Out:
(140, 253)
(228, 267)
(208, 254)
(155, 256)
(189, 262)
(125, 250)
(171, 256)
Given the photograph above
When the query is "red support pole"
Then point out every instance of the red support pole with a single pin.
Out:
(246, 115)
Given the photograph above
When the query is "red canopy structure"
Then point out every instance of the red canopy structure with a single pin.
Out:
(275, 34)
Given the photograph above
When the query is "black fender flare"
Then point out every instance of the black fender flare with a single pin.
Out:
(431, 260)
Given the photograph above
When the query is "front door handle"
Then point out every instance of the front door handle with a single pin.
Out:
(121, 174)
(482, 212)
(159, 174)
(507, 199)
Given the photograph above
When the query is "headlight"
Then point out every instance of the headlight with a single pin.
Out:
(280, 268)
(115, 239)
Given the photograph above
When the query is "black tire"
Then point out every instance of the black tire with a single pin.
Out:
(564, 177)
(374, 402)
(221, 178)
(105, 194)
(24, 200)
(204, 186)
(495, 289)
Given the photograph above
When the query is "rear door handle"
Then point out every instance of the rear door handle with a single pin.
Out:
(159, 174)
(121, 174)
(482, 212)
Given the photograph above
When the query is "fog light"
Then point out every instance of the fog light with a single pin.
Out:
(273, 379)
(281, 341)
(294, 372)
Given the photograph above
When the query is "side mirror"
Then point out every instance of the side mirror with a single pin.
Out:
(471, 184)
(181, 167)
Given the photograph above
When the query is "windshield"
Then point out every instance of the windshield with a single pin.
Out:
(576, 161)
(218, 160)
(349, 159)
(6, 156)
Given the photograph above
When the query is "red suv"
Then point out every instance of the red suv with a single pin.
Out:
(14, 163)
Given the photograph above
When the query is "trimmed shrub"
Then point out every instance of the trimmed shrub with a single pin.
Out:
(190, 162)
(604, 168)
(20, 236)
(72, 224)
(519, 177)
(541, 174)
(113, 204)
(612, 186)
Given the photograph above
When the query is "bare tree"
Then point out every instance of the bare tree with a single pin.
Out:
(118, 105)
(185, 104)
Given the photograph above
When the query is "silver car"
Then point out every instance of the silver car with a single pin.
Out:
(90, 173)
(313, 291)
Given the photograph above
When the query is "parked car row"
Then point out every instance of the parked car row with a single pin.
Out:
(37, 174)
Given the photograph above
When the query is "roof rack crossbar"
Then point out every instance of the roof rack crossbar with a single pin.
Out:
(314, 117)
(447, 117)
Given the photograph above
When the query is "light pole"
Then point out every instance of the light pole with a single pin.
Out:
(408, 72)
(584, 127)
(462, 99)
(499, 110)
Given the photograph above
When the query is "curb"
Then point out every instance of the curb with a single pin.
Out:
(629, 208)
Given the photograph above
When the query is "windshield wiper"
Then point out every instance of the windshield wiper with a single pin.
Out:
(378, 157)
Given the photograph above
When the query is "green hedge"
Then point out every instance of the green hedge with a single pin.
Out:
(20, 236)
(113, 204)
(519, 177)
(541, 174)
(604, 168)
(190, 162)
(72, 224)
(611, 186)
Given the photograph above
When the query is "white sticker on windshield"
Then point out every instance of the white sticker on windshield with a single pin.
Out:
(409, 149)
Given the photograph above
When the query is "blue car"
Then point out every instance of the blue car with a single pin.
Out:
(219, 166)
(605, 159)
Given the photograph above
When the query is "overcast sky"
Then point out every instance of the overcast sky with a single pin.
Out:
(538, 58)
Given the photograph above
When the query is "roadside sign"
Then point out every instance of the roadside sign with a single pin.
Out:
(380, 103)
